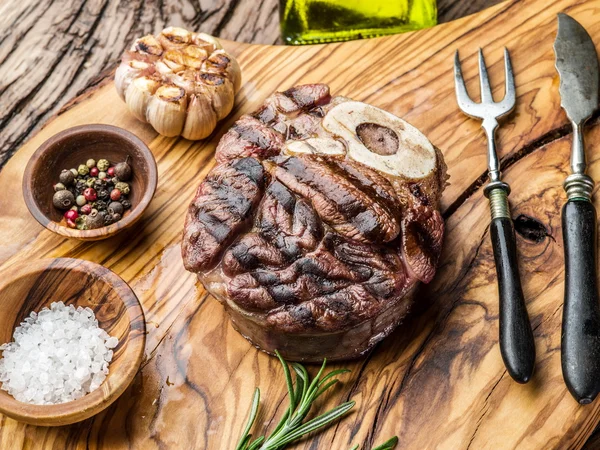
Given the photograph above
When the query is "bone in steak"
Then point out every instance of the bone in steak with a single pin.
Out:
(317, 224)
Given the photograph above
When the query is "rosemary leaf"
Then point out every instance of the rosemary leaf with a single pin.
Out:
(388, 445)
(324, 388)
(333, 373)
(244, 441)
(256, 443)
(314, 424)
(303, 374)
(288, 381)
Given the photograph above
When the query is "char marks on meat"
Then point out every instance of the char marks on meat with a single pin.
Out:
(308, 244)
(221, 209)
(340, 202)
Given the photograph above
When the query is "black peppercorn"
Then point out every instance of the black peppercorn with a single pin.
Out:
(126, 203)
(66, 177)
(115, 208)
(108, 219)
(80, 185)
(100, 205)
(63, 199)
(103, 194)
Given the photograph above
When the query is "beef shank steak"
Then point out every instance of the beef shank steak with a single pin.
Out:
(317, 224)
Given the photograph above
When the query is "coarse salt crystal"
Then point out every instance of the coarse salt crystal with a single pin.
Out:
(57, 355)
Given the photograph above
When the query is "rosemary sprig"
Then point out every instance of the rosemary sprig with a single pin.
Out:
(292, 426)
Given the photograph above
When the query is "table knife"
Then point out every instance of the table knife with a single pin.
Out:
(577, 65)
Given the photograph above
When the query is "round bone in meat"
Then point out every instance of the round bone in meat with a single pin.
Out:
(381, 140)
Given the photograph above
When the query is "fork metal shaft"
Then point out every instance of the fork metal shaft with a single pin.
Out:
(490, 127)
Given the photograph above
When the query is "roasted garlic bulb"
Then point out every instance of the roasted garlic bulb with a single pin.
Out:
(181, 83)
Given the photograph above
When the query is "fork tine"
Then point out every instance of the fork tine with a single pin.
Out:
(462, 96)
(508, 102)
(486, 90)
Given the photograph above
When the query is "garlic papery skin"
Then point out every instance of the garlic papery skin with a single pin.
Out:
(201, 119)
(220, 91)
(184, 75)
(166, 110)
(126, 73)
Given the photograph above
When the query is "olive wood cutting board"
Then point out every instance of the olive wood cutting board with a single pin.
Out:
(438, 382)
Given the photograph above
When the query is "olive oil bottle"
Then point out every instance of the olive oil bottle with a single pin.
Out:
(319, 21)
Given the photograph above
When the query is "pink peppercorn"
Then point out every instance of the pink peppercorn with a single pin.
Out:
(111, 172)
(115, 195)
(94, 172)
(71, 223)
(86, 209)
(71, 215)
(90, 194)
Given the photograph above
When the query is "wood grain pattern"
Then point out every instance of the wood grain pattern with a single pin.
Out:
(438, 382)
(34, 285)
(53, 50)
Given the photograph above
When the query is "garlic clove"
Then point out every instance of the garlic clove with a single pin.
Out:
(138, 96)
(194, 56)
(201, 119)
(220, 90)
(174, 37)
(184, 80)
(163, 69)
(147, 45)
(126, 73)
(220, 62)
(174, 60)
(167, 110)
(380, 140)
(202, 39)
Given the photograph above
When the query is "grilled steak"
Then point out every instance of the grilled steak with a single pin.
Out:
(317, 224)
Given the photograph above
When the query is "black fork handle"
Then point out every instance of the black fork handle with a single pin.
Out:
(516, 338)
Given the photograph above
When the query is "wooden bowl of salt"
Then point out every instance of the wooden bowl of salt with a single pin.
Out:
(32, 286)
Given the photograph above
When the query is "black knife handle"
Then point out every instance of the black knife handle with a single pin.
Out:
(516, 338)
(581, 312)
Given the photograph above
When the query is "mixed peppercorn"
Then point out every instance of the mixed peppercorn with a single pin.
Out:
(94, 195)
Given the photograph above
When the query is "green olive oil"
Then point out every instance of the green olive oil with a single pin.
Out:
(319, 21)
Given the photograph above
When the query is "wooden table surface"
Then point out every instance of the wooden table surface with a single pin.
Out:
(51, 51)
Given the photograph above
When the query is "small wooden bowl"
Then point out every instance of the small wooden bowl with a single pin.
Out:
(36, 284)
(73, 147)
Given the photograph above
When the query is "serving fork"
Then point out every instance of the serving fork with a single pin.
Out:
(516, 338)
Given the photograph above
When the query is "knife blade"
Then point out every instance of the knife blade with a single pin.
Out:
(577, 66)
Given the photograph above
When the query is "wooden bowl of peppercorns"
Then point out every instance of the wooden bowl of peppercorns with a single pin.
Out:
(71, 187)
